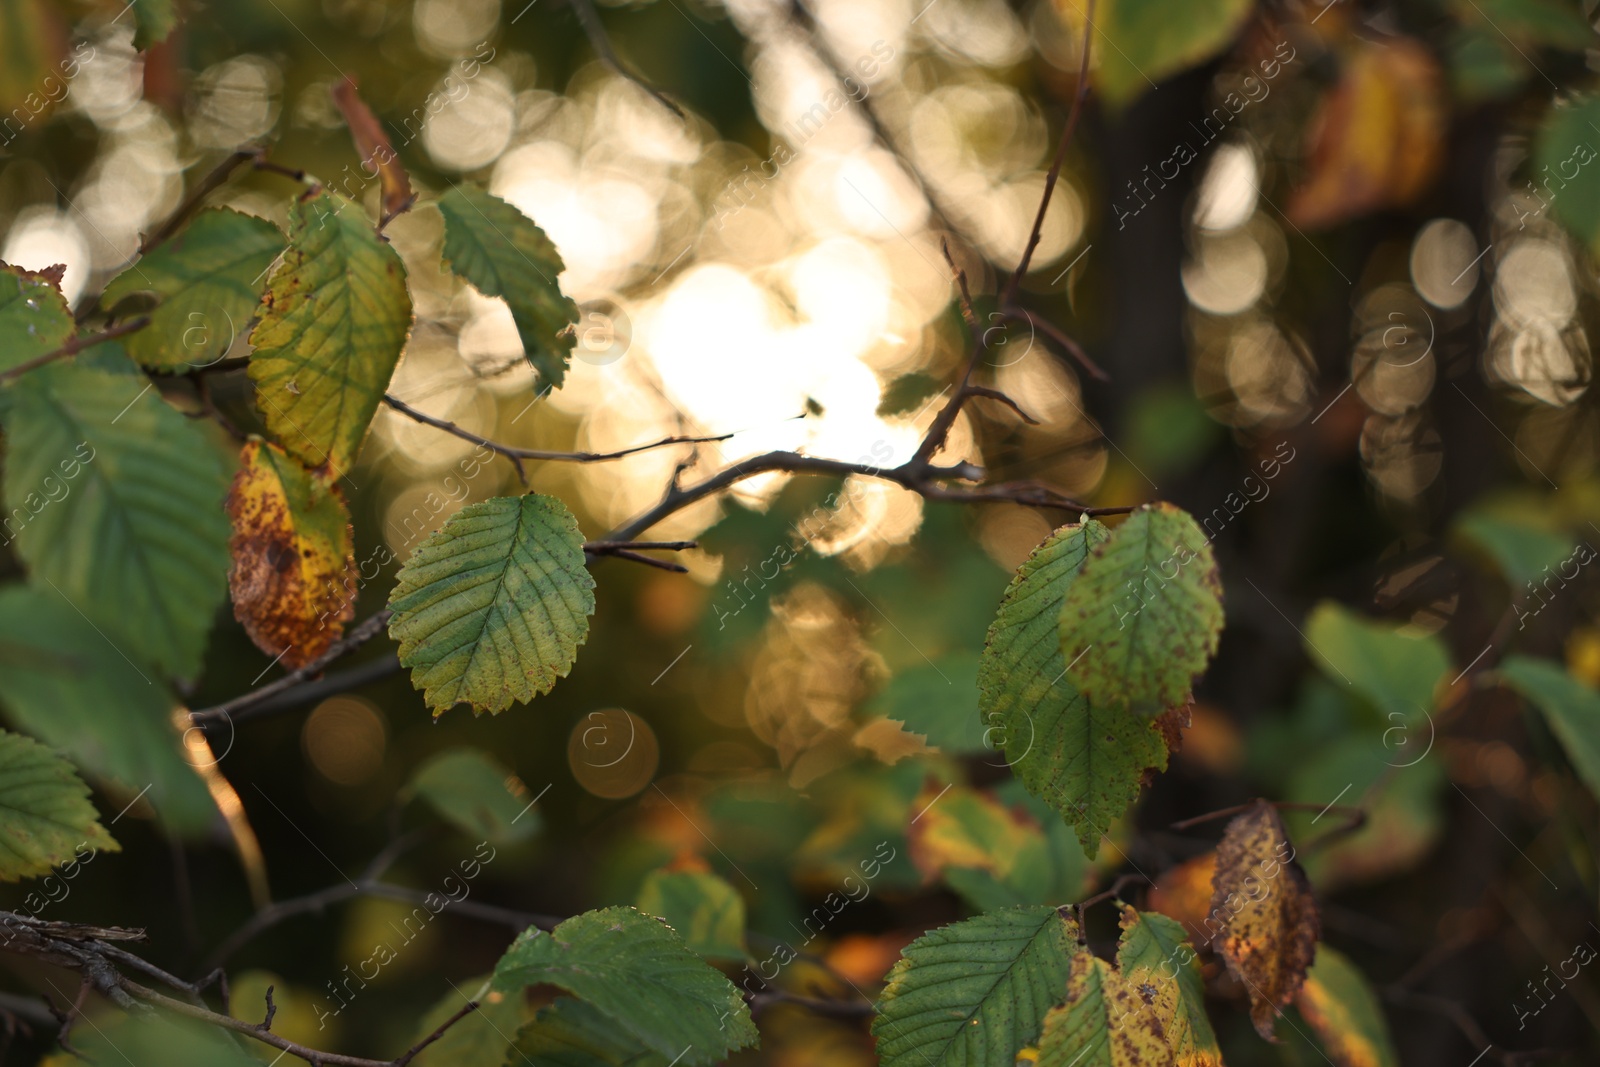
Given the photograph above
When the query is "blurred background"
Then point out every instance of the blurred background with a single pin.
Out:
(1320, 249)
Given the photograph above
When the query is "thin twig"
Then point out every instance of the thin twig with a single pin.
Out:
(74, 346)
(220, 175)
(360, 635)
(1281, 805)
(1050, 179)
(517, 455)
(595, 30)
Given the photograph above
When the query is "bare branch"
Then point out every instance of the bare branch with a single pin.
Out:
(517, 455)
(74, 346)
(595, 30)
(1067, 130)
(360, 635)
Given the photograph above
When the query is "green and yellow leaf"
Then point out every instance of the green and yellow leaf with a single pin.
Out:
(1084, 758)
(1144, 616)
(293, 578)
(329, 332)
(1341, 1008)
(704, 908)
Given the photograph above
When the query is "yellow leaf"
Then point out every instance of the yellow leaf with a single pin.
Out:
(1378, 137)
(1270, 923)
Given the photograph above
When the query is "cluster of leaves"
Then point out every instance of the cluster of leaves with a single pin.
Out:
(1084, 681)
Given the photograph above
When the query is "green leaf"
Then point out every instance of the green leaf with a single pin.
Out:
(975, 992)
(45, 814)
(638, 972)
(483, 1038)
(34, 318)
(1571, 708)
(1083, 758)
(1521, 546)
(907, 394)
(1145, 614)
(1154, 943)
(502, 253)
(1342, 1009)
(154, 21)
(1403, 823)
(1139, 43)
(492, 608)
(704, 908)
(1393, 669)
(159, 1040)
(209, 279)
(329, 332)
(936, 702)
(1568, 145)
(65, 682)
(571, 1033)
(475, 793)
(1550, 23)
(115, 500)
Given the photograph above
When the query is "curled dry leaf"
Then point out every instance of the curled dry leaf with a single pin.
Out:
(377, 154)
(293, 576)
(1269, 919)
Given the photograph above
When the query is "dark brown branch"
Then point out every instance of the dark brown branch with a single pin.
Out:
(357, 637)
(368, 884)
(1357, 816)
(1054, 174)
(595, 30)
(629, 550)
(1058, 337)
(517, 455)
(826, 1007)
(995, 394)
(74, 346)
(1282, 805)
(219, 176)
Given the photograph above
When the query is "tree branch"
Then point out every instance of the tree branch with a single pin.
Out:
(517, 455)
(1067, 130)
(360, 635)
(74, 346)
(600, 41)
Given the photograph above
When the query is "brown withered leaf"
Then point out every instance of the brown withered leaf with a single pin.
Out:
(1184, 893)
(1378, 137)
(293, 577)
(378, 157)
(1269, 920)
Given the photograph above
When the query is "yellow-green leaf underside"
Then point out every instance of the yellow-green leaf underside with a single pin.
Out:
(492, 608)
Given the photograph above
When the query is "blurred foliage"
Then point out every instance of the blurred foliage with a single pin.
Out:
(1338, 264)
